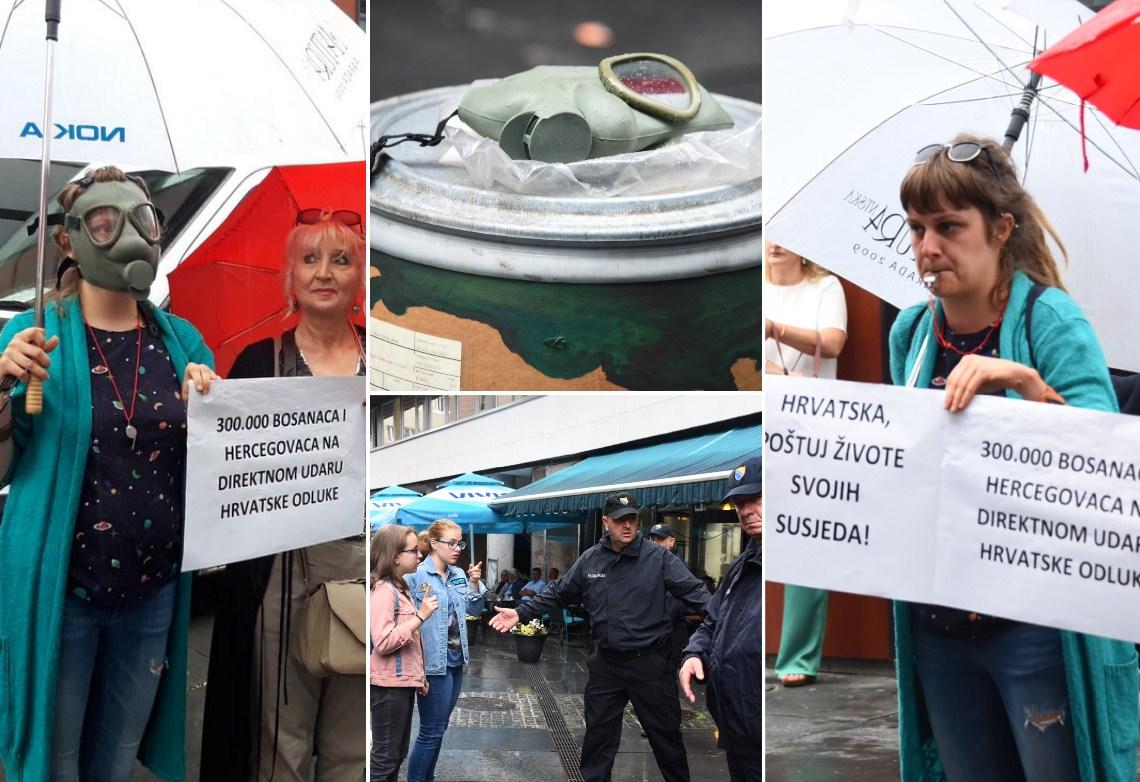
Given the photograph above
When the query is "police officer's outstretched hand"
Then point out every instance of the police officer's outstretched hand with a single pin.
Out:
(505, 619)
(692, 667)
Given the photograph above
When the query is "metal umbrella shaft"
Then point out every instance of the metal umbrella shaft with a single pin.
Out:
(34, 402)
(1020, 115)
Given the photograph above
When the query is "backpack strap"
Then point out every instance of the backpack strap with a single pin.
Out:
(395, 621)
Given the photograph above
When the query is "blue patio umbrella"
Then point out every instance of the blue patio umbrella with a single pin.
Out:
(472, 488)
(383, 504)
(475, 516)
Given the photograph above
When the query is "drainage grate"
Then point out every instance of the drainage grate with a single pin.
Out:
(482, 703)
(568, 749)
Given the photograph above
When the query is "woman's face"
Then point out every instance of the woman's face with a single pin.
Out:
(955, 248)
(447, 547)
(406, 560)
(325, 280)
(781, 258)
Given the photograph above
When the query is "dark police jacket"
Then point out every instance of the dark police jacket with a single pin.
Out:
(624, 593)
(728, 643)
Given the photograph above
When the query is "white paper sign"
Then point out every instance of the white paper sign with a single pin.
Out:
(273, 464)
(406, 360)
(1010, 508)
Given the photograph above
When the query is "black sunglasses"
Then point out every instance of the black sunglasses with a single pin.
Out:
(962, 152)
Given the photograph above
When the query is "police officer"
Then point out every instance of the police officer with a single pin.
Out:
(725, 650)
(622, 580)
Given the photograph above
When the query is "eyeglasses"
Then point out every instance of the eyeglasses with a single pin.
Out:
(415, 550)
(453, 544)
(346, 217)
(962, 152)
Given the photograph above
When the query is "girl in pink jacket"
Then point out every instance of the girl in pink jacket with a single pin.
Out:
(397, 665)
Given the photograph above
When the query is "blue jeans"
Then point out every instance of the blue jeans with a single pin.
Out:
(999, 706)
(110, 664)
(435, 711)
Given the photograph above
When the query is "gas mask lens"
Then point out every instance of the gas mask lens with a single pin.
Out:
(104, 224)
(653, 83)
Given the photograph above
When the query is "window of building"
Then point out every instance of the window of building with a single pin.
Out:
(394, 418)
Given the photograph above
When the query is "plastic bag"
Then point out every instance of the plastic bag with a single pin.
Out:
(695, 161)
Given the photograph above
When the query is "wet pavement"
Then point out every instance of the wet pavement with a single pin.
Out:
(499, 730)
(843, 726)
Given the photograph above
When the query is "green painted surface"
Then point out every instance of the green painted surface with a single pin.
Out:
(681, 334)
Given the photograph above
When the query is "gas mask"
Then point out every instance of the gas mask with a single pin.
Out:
(562, 114)
(114, 232)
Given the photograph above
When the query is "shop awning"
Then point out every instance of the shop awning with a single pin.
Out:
(689, 471)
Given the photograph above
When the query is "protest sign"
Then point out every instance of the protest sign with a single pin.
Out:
(273, 464)
(1010, 508)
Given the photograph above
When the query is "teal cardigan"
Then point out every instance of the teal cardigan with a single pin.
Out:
(1101, 674)
(46, 472)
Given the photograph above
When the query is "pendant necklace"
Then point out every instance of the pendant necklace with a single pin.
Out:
(130, 430)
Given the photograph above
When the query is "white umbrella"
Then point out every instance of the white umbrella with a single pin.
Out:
(172, 84)
(854, 89)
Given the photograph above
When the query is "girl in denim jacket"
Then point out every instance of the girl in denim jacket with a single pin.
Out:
(444, 636)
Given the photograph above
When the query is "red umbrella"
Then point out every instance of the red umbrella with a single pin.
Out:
(1099, 62)
(231, 287)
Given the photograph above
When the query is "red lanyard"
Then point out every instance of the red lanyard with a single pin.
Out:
(130, 429)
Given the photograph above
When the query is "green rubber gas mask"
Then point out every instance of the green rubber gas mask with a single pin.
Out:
(114, 232)
(562, 114)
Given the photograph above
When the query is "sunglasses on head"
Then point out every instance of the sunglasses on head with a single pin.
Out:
(962, 152)
(345, 217)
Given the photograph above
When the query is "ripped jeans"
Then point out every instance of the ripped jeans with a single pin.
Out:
(999, 706)
(110, 664)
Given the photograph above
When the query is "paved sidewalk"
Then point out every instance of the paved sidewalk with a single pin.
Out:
(842, 727)
(499, 730)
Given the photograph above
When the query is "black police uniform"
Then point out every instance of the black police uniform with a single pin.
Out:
(624, 593)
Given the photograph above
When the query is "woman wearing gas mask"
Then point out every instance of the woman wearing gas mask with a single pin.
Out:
(263, 709)
(988, 698)
(94, 616)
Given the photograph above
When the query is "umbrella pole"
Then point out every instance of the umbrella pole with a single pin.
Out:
(1020, 115)
(35, 399)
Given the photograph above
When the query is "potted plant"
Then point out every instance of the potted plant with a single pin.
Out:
(473, 629)
(528, 640)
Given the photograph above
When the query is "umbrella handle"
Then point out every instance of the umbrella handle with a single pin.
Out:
(34, 400)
